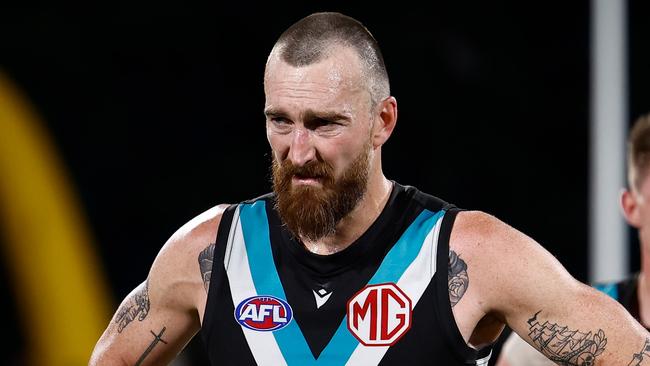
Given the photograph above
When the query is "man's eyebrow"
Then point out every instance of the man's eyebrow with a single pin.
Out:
(272, 112)
(311, 114)
(326, 115)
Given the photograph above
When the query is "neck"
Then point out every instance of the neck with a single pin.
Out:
(644, 284)
(357, 221)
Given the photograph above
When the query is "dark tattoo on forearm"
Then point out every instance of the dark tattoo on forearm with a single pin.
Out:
(564, 346)
(205, 264)
(136, 306)
(156, 338)
(457, 278)
(644, 354)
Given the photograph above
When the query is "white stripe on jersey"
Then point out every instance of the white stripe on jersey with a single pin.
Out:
(263, 346)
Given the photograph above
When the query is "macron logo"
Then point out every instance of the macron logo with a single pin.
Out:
(321, 297)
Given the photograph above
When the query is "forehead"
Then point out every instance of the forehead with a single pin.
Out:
(333, 81)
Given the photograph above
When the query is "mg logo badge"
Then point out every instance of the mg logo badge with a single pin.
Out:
(379, 315)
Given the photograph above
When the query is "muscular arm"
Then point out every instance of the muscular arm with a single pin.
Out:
(513, 280)
(516, 352)
(157, 319)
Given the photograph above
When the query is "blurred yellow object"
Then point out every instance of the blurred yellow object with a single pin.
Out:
(61, 293)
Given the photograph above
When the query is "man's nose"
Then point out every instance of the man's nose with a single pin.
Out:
(301, 150)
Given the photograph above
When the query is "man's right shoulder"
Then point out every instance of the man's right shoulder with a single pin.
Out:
(181, 255)
(172, 297)
(200, 229)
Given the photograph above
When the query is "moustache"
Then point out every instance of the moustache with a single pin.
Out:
(315, 170)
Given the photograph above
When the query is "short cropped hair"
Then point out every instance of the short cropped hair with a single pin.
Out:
(312, 38)
(638, 152)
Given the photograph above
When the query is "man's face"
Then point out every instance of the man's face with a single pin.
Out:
(319, 126)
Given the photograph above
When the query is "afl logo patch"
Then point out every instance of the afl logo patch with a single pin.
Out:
(263, 313)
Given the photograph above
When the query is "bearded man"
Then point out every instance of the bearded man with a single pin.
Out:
(340, 265)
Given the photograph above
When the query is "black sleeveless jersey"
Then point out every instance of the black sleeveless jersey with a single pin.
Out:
(381, 301)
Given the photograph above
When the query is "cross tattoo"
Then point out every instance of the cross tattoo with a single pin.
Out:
(157, 338)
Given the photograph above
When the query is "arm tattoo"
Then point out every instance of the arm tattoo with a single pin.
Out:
(136, 306)
(156, 338)
(205, 264)
(457, 278)
(644, 354)
(564, 346)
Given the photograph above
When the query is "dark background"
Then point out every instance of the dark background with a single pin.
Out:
(157, 112)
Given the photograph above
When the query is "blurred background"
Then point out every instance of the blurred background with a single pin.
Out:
(120, 122)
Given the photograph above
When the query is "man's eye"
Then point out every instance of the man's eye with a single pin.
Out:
(323, 123)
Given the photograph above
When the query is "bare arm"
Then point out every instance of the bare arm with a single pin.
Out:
(516, 352)
(157, 319)
(513, 279)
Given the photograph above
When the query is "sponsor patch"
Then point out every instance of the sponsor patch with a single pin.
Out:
(263, 313)
(379, 315)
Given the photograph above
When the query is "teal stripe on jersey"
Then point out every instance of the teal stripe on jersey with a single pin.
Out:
(290, 339)
(406, 249)
(255, 226)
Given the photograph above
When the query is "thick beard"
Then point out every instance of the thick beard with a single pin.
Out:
(312, 213)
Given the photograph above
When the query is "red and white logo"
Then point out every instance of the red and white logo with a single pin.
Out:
(379, 315)
(263, 313)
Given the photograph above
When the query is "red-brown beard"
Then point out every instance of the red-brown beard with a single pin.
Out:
(313, 212)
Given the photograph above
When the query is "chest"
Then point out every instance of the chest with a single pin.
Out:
(386, 307)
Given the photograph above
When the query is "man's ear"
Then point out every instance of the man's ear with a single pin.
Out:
(630, 207)
(385, 121)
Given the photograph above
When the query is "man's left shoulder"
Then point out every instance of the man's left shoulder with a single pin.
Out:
(488, 242)
(477, 228)
(503, 263)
